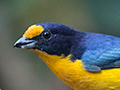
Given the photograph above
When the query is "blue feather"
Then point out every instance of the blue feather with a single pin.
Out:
(103, 51)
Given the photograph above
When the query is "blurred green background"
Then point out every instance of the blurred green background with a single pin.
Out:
(22, 69)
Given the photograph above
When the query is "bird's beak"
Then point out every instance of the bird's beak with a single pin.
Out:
(25, 43)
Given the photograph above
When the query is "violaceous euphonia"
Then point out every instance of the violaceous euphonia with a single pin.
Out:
(82, 60)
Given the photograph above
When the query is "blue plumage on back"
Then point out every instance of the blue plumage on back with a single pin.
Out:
(102, 51)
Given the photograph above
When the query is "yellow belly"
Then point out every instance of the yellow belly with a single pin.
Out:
(75, 76)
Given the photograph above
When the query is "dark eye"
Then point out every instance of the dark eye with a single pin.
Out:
(46, 34)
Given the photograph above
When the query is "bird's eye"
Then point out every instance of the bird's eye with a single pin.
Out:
(46, 34)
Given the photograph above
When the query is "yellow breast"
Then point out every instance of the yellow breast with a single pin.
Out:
(75, 76)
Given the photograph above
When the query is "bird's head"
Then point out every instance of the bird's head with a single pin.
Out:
(52, 38)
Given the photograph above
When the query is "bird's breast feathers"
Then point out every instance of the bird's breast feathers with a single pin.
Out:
(75, 75)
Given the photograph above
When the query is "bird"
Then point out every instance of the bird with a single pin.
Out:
(82, 60)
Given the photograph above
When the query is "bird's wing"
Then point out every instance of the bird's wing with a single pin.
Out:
(108, 59)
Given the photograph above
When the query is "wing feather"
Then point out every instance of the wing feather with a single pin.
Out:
(108, 58)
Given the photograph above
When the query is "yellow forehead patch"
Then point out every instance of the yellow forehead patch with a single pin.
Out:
(33, 31)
